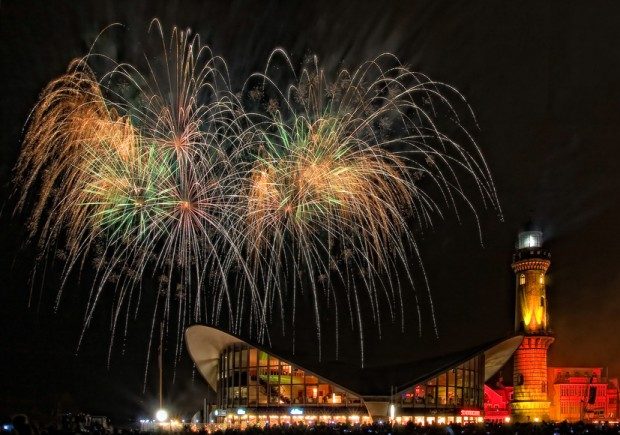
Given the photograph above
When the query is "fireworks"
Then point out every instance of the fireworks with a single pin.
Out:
(138, 172)
(337, 183)
(237, 203)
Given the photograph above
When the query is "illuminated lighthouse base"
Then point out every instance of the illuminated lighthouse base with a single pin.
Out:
(530, 400)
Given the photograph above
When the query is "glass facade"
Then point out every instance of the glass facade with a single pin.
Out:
(255, 387)
(461, 387)
(251, 378)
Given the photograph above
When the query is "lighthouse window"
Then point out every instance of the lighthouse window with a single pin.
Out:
(542, 301)
(520, 380)
(530, 239)
(541, 279)
(521, 279)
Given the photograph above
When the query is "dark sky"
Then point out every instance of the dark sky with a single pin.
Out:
(543, 79)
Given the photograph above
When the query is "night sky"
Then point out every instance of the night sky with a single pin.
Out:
(544, 81)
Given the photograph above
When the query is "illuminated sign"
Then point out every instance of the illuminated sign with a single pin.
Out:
(296, 411)
(470, 412)
(240, 411)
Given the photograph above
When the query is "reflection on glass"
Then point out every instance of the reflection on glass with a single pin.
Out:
(458, 387)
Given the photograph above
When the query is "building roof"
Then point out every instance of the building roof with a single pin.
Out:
(205, 343)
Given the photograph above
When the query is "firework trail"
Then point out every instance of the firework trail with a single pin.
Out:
(238, 203)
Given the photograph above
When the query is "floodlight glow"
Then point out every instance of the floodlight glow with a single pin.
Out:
(161, 415)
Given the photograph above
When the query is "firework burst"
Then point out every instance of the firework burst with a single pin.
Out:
(337, 185)
(139, 171)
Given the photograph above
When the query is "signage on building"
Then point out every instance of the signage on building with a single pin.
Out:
(470, 412)
(240, 411)
(296, 411)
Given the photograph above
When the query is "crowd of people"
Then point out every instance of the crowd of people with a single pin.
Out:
(21, 426)
(414, 429)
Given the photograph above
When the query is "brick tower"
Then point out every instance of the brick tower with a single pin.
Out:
(530, 264)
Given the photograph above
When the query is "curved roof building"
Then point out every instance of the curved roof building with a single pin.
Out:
(256, 386)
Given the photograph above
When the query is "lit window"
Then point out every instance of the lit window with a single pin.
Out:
(522, 279)
(541, 279)
(520, 380)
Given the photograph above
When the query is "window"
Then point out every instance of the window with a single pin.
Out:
(522, 279)
(520, 379)
(249, 377)
(458, 386)
(541, 278)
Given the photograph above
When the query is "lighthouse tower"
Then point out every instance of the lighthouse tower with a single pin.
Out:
(530, 264)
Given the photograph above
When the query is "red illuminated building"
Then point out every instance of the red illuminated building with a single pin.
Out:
(530, 264)
(497, 404)
(541, 392)
(582, 393)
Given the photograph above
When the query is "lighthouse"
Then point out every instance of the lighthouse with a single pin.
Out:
(530, 264)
